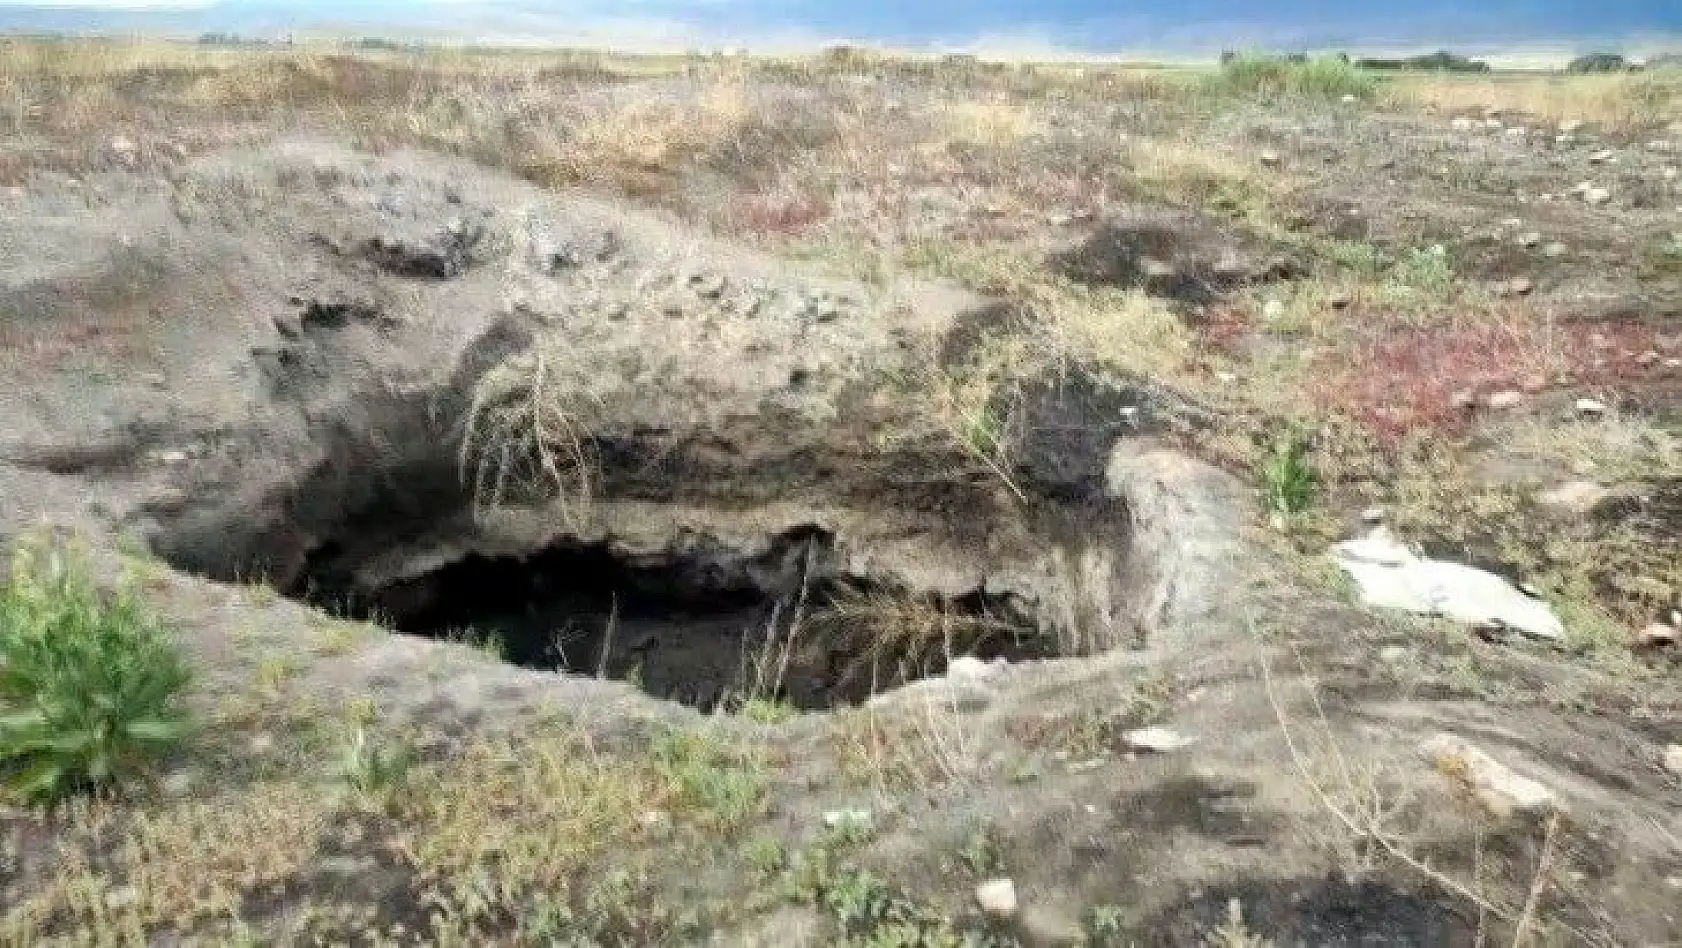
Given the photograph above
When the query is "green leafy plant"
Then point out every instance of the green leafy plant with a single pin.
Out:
(1288, 476)
(1275, 77)
(89, 683)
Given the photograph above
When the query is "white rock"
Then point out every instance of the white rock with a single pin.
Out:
(1462, 124)
(1505, 399)
(1373, 516)
(1577, 497)
(1157, 740)
(997, 898)
(1580, 187)
(1392, 653)
(1555, 249)
(1569, 126)
(1273, 311)
(1658, 635)
(1596, 196)
(1500, 789)
(1673, 759)
(854, 818)
(1602, 156)
(971, 668)
(1518, 131)
(1270, 158)
(1590, 408)
(1349, 98)
(1492, 122)
(1530, 239)
(1391, 576)
(122, 897)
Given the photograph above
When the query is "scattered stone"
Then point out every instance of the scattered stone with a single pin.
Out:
(123, 149)
(1372, 516)
(1157, 740)
(1464, 399)
(156, 380)
(177, 784)
(1555, 249)
(1349, 98)
(1596, 196)
(1590, 408)
(1673, 759)
(1462, 124)
(850, 819)
(1530, 239)
(997, 898)
(1505, 399)
(122, 897)
(1393, 653)
(1340, 300)
(1518, 131)
(1602, 156)
(260, 743)
(1570, 126)
(1658, 635)
(1273, 311)
(1391, 576)
(1578, 497)
(1226, 378)
(972, 668)
(1270, 158)
(171, 457)
(1492, 123)
(1501, 790)
(1517, 286)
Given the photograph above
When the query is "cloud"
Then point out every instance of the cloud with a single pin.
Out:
(161, 5)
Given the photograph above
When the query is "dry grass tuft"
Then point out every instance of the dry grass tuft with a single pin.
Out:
(1627, 103)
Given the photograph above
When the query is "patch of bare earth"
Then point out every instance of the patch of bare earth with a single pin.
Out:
(636, 502)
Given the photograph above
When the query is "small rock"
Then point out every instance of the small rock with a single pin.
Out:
(1273, 311)
(1393, 653)
(1518, 131)
(1658, 635)
(1602, 156)
(1517, 286)
(156, 380)
(1462, 124)
(1590, 408)
(177, 784)
(1492, 123)
(122, 897)
(1505, 399)
(1340, 300)
(1157, 740)
(260, 743)
(654, 819)
(997, 898)
(1650, 357)
(1578, 496)
(1596, 196)
(1372, 516)
(122, 147)
(1570, 126)
(1349, 98)
(972, 668)
(1580, 187)
(1270, 158)
(1673, 759)
(1501, 790)
(1464, 399)
(1530, 239)
(1555, 249)
(851, 819)
(171, 457)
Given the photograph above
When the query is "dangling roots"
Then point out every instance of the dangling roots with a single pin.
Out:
(524, 440)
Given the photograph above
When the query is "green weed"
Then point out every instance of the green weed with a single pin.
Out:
(1273, 77)
(1287, 475)
(89, 683)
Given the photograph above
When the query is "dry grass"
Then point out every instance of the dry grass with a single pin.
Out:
(1627, 103)
(526, 437)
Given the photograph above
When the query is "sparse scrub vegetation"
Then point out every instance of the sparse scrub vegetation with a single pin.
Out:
(90, 682)
(1274, 77)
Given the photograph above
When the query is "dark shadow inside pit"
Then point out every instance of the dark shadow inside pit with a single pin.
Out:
(705, 631)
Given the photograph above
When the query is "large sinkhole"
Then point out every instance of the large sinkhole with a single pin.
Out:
(712, 629)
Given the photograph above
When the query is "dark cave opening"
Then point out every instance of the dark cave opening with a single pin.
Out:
(709, 630)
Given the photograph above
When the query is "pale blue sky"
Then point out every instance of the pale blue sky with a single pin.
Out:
(1078, 25)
